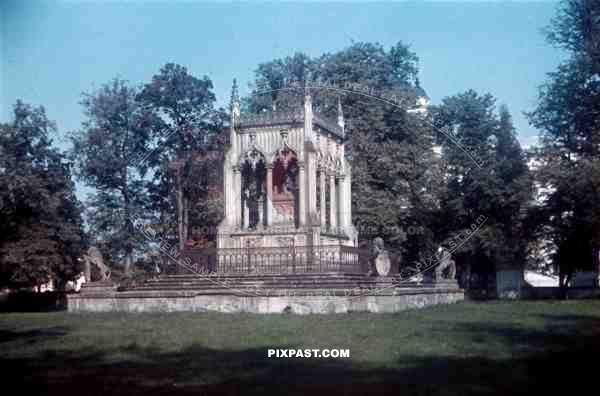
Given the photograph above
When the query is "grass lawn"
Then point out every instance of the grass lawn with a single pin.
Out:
(497, 348)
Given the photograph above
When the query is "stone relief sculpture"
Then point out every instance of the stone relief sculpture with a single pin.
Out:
(285, 186)
(446, 269)
(94, 257)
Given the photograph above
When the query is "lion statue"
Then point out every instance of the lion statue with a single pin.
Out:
(446, 269)
(94, 257)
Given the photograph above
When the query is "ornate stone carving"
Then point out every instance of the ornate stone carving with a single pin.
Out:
(285, 241)
(277, 189)
(381, 263)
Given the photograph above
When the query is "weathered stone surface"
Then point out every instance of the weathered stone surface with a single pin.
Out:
(274, 293)
(232, 304)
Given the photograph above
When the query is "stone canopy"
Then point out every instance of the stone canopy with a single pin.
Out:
(286, 180)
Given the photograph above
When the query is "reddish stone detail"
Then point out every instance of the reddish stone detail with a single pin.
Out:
(284, 168)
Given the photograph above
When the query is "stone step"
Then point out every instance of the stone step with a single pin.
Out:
(281, 280)
(269, 278)
(274, 293)
(262, 276)
(277, 285)
(243, 288)
(270, 284)
(268, 281)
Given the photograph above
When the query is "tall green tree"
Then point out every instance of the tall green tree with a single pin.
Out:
(107, 149)
(568, 157)
(41, 234)
(487, 184)
(188, 124)
(394, 170)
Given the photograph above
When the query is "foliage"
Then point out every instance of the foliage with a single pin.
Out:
(487, 184)
(106, 150)
(568, 160)
(394, 177)
(41, 235)
(187, 125)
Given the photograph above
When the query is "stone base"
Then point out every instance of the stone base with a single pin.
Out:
(283, 236)
(292, 293)
(444, 283)
(262, 305)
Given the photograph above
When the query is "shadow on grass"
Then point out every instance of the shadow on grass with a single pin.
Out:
(31, 336)
(560, 359)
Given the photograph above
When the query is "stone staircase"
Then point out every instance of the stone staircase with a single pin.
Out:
(334, 284)
(329, 292)
(98, 288)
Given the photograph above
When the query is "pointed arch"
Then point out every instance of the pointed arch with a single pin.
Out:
(253, 170)
(285, 171)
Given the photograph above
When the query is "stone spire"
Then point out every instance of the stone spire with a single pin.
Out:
(340, 116)
(308, 114)
(235, 112)
(235, 102)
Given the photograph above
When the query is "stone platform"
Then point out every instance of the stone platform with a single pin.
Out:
(266, 293)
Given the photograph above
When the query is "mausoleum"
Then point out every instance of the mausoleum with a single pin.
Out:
(286, 178)
(286, 242)
(287, 185)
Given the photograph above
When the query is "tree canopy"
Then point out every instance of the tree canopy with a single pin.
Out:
(568, 157)
(41, 234)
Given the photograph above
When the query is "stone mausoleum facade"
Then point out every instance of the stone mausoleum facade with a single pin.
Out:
(286, 242)
(286, 180)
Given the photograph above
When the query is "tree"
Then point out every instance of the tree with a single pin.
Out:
(107, 150)
(488, 184)
(188, 121)
(394, 170)
(274, 81)
(41, 235)
(568, 116)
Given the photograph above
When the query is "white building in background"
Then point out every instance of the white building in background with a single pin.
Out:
(421, 103)
(537, 279)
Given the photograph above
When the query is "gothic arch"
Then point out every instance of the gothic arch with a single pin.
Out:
(253, 171)
(285, 172)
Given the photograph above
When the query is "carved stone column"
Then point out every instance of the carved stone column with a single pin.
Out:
(228, 196)
(322, 197)
(348, 198)
(246, 208)
(261, 209)
(302, 195)
(341, 203)
(269, 197)
(332, 203)
(311, 185)
(236, 195)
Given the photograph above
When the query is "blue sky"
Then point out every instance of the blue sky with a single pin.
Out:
(53, 51)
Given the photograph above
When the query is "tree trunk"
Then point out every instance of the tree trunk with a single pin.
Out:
(563, 283)
(130, 229)
(180, 212)
(186, 216)
(128, 261)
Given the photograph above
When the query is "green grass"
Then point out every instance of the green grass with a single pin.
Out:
(465, 349)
